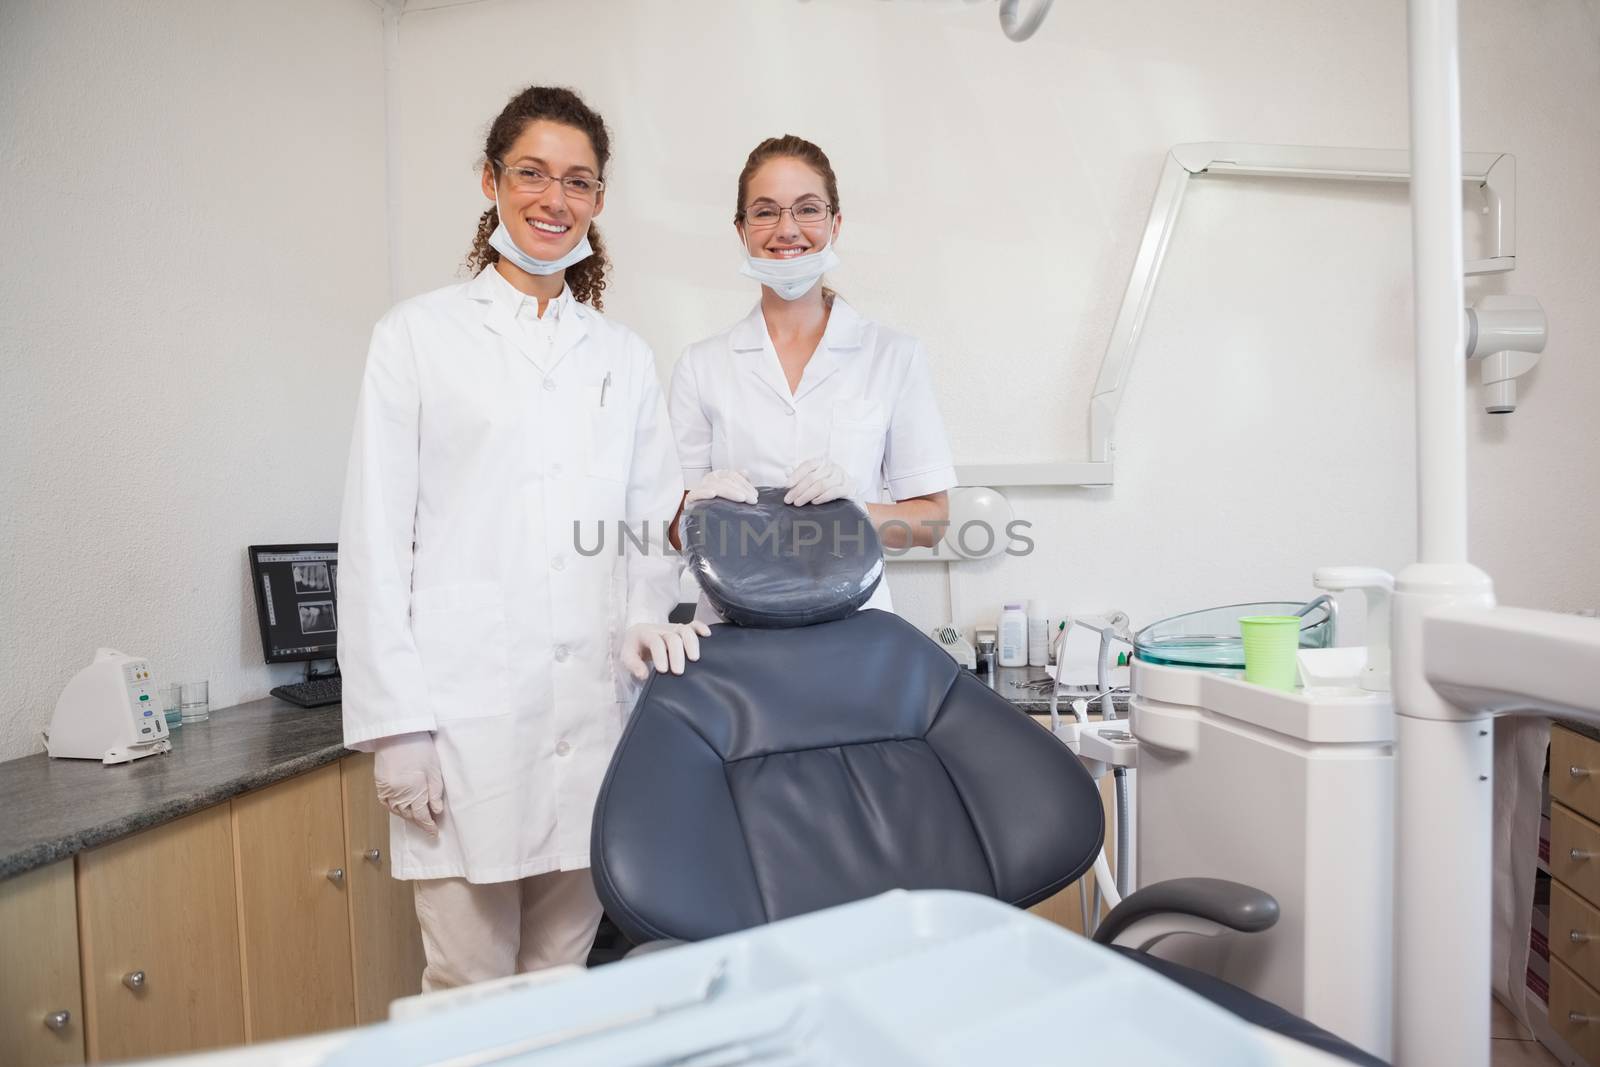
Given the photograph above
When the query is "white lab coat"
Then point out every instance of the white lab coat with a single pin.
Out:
(464, 606)
(865, 401)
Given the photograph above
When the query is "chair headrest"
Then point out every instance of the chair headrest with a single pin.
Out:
(774, 565)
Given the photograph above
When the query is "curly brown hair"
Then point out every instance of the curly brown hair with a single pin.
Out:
(586, 279)
(789, 147)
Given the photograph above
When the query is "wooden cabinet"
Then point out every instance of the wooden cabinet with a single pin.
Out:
(265, 917)
(294, 918)
(41, 1003)
(160, 940)
(385, 939)
(1573, 933)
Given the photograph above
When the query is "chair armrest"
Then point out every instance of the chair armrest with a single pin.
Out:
(1186, 905)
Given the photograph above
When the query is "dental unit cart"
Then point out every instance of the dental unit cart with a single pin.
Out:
(1291, 792)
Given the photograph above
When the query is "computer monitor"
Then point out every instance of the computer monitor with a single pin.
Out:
(297, 595)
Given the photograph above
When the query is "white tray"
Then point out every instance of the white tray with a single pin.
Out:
(929, 977)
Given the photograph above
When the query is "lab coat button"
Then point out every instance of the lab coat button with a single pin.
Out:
(788, 411)
(550, 385)
(563, 749)
(558, 564)
(555, 470)
(561, 653)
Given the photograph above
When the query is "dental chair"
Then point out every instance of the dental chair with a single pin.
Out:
(793, 769)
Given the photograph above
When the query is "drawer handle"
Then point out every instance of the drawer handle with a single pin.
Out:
(1578, 937)
(134, 980)
(336, 876)
(374, 854)
(1581, 854)
(58, 1020)
(1581, 1017)
(1579, 772)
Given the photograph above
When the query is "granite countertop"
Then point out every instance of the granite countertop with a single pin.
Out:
(57, 808)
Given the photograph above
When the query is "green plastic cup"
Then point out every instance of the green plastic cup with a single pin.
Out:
(1270, 644)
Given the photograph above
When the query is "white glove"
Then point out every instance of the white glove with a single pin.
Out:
(817, 481)
(406, 767)
(667, 644)
(729, 485)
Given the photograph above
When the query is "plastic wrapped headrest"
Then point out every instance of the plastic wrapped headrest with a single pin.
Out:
(771, 564)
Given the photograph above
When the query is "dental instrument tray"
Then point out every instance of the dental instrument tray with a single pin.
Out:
(933, 978)
(1210, 639)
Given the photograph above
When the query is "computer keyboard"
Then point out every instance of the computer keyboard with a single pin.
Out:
(313, 693)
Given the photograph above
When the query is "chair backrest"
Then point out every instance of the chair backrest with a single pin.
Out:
(791, 770)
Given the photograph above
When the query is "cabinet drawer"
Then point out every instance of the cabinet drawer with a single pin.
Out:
(1575, 932)
(1575, 771)
(383, 916)
(1575, 1011)
(160, 937)
(41, 1003)
(1575, 852)
(293, 917)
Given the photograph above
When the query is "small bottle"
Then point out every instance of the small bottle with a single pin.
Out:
(986, 642)
(1038, 639)
(1013, 636)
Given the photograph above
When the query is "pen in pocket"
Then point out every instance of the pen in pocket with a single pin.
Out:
(603, 387)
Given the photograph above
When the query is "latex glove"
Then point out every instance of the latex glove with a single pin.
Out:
(667, 644)
(406, 767)
(817, 481)
(729, 485)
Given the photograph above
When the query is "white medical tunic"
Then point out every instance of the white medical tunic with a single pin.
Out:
(488, 447)
(865, 401)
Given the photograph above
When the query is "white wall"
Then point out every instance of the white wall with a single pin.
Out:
(191, 210)
(994, 195)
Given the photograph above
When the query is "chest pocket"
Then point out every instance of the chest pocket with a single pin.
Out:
(611, 426)
(856, 440)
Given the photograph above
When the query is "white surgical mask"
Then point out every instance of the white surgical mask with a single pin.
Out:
(791, 278)
(501, 242)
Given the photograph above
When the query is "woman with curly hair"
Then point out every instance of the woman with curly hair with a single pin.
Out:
(479, 645)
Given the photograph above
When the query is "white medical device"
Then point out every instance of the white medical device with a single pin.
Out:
(1297, 791)
(959, 647)
(109, 711)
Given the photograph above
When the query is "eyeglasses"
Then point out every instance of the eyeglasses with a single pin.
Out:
(532, 180)
(805, 213)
